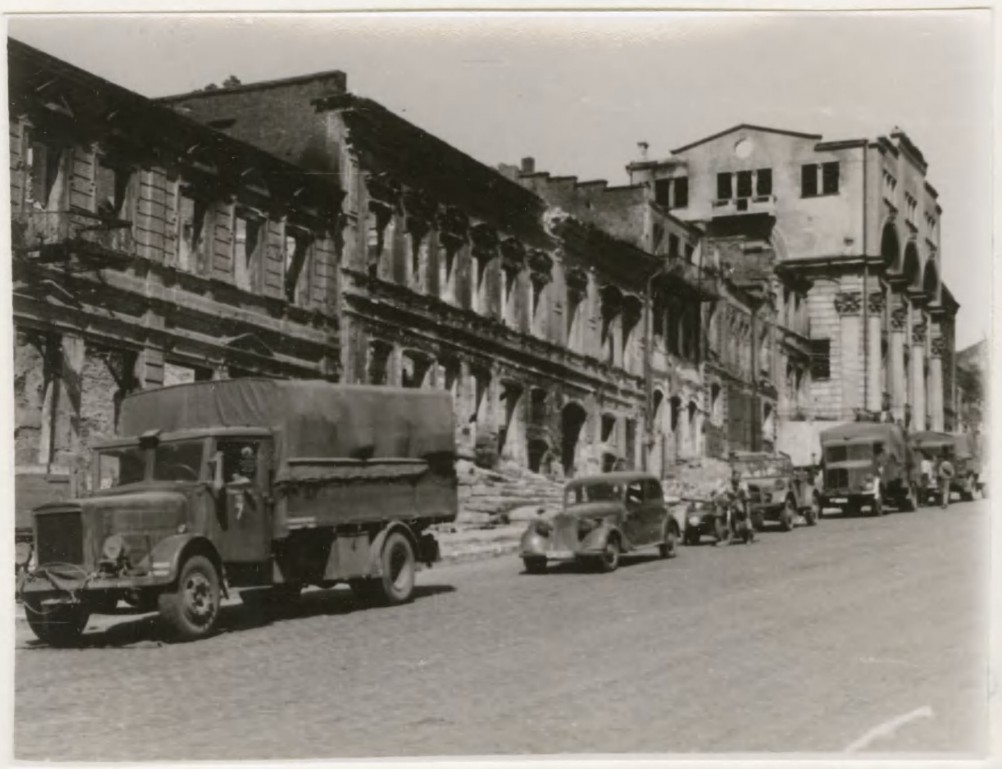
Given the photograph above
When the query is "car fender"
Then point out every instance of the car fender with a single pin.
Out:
(376, 546)
(596, 539)
(670, 524)
(168, 554)
(533, 543)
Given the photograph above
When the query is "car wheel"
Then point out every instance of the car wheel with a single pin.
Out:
(191, 609)
(669, 548)
(534, 565)
(788, 516)
(60, 625)
(608, 561)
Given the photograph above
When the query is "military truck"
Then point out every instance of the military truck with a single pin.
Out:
(258, 484)
(868, 464)
(962, 455)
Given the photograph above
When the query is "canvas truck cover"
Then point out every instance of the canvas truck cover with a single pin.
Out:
(311, 419)
(892, 435)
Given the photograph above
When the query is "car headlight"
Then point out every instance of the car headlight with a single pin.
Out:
(694, 520)
(542, 528)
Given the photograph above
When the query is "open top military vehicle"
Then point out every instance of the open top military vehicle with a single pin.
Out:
(777, 491)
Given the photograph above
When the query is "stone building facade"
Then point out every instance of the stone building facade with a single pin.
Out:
(852, 229)
(149, 249)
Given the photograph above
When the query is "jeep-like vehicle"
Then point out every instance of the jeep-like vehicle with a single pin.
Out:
(247, 483)
(777, 491)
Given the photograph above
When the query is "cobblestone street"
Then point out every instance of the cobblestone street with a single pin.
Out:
(720, 650)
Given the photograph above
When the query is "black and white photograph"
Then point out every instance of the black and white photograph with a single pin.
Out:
(478, 384)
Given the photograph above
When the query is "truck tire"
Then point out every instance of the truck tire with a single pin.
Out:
(60, 625)
(398, 569)
(190, 611)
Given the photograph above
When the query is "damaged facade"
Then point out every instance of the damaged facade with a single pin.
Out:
(851, 231)
(148, 250)
(293, 229)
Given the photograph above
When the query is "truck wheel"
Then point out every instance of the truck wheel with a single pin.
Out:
(191, 609)
(788, 515)
(534, 565)
(609, 560)
(60, 625)
(397, 580)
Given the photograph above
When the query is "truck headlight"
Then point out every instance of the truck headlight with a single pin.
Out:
(114, 548)
(694, 520)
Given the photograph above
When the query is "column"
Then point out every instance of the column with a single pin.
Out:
(899, 323)
(848, 304)
(875, 308)
(936, 383)
(918, 376)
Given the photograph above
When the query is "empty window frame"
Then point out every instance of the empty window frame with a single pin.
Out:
(820, 359)
(246, 242)
(763, 182)
(680, 190)
(44, 165)
(298, 246)
(191, 224)
(662, 192)
(724, 188)
(111, 189)
(744, 184)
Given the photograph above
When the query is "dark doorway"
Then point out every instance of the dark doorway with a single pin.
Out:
(572, 419)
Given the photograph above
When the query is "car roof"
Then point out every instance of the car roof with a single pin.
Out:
(619, 476)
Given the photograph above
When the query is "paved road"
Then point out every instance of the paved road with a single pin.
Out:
(805, 641)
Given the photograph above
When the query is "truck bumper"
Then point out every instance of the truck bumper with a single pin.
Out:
(37, 586)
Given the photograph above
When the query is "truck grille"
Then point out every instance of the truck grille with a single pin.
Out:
(60, 538)
(837, 478)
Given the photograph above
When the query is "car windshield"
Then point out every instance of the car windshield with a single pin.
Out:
(595, 492)
(178, 461)
(116, 467)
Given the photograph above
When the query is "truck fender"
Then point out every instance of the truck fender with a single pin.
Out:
(376, 546)
(168, 554)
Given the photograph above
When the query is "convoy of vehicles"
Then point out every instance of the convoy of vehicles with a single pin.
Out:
(603, 517)
(267, 486)
(247, 483)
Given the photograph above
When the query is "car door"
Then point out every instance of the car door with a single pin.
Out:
(244, 508)
(655, 511)
(634, 522)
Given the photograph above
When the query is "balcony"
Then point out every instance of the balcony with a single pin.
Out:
(756, 204)
(54, 236)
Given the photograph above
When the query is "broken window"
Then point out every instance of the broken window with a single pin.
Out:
(246, 236)
(820, 359)
(724, 187)
(44, 163)
(744, 184)
(297, 257)
(763, 181)
(829, 179)
(608, 427)
(689, 250)
(111, 190)
(377, 362)
(191, 216)
(673, 246)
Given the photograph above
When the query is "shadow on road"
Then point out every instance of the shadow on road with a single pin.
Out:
(585, 567)
(145, 630)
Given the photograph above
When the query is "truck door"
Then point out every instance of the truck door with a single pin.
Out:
(245, 504)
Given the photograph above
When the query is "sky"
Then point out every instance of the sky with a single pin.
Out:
(579, 91)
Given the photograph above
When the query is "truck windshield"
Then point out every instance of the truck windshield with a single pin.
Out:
(116, 467)
(178, 461)
(848, 452)
(764, 468)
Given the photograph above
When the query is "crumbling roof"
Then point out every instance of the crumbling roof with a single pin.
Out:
(386, 143)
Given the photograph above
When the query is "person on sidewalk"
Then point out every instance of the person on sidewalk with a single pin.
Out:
(946, 473)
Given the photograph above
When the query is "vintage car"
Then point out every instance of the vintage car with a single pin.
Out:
(603, 516)
(957, 448)
(708, 518)
(777, 491)
(867, 464)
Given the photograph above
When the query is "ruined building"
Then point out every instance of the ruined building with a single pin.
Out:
(149, 249)
(842, 239)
